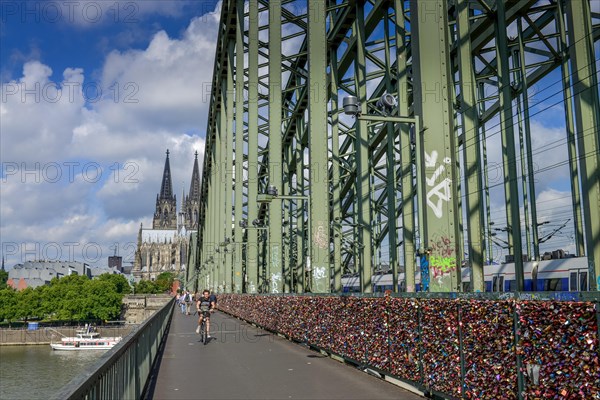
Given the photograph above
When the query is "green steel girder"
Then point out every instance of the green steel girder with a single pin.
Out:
(587, 119)
(536, 76)
(388, 200)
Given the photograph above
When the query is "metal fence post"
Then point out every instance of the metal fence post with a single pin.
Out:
(461, 350)
(517, 326)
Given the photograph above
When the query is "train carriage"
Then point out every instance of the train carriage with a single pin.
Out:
(566, 274)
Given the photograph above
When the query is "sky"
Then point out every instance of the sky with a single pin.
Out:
(93, 94)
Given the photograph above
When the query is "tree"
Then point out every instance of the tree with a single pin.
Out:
(119, 281)
(68, 296)
(8, 303)
(28, 304)
(72, 297)
(3, 278)
(102, 301)
(146, 287)
(164, 281)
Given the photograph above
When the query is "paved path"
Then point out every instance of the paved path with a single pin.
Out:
(243, 362)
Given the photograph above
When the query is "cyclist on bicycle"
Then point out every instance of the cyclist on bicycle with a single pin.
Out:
(205, 305)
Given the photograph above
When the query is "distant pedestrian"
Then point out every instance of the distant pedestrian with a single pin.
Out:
(181, 302)
(188, 302)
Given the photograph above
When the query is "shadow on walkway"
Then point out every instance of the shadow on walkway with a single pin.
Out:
(244, 362)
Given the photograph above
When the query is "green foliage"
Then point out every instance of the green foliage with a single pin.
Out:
(8, 304)
(28, 303)
(3, 279)
(164, 282)
(120, 283)
(102, 300)
(146, 287)
(72, 297)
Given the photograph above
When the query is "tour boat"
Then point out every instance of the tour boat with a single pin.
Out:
(86, 339)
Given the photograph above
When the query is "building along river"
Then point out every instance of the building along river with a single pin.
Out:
(37, 371)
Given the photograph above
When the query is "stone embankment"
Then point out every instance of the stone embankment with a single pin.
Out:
(139, 307)
(136, 309)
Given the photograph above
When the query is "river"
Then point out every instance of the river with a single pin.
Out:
(37, 371)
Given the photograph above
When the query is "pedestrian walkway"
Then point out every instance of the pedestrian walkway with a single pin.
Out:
(244, 362)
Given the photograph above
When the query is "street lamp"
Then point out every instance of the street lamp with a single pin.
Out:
(385, 105)
(387, 102)
(256, 224)
(351, 105)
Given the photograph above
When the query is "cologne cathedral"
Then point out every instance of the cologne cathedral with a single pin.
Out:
(164, 247)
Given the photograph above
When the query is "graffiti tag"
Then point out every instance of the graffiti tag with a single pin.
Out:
(442, 265)
(275, 280)
(442, 259)
(441, 192)
(319, 273)
(320, 237)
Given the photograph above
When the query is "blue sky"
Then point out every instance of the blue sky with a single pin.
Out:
(93, 94)
(83, 33)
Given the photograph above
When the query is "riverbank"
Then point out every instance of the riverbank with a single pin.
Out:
(46, 335)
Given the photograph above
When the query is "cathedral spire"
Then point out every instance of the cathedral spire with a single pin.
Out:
(194, 192)
(165, 216)
(192, 201)
(182, 198)
(166, 188)
(181, 214)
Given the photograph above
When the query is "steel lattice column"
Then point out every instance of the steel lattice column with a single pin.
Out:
(432, 102)
(252, 244)
(335, 177)
(363, 190)
(471, 148)
(229, 165)
(511, 189)
(317, 126)
(274, 261)
(223, 215)
(570, 125)
(587, 118)
(238, 234)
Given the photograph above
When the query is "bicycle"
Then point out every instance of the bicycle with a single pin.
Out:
(204, 327)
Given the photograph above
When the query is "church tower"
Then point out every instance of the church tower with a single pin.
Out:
(191, 204)
(165, 216)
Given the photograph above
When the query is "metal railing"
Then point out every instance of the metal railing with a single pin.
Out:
(123, 372)
(450, 345)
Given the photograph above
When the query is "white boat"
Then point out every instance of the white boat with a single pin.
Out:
(86, 339)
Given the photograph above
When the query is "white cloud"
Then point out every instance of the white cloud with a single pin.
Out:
(29, 197)
(550, 153)
(109, 152)
(38, 113)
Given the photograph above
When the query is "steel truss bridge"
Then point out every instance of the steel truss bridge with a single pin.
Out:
(436, 162)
